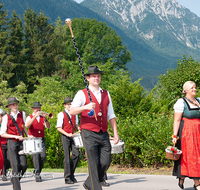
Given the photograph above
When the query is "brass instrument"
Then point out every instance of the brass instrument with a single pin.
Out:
(45, 114)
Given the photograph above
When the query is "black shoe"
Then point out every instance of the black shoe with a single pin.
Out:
(68, 181)
(4, 178)
(38, 178)
(180, 185)
(85, 186)
(74, 179)
(195, 187)
(105, 184)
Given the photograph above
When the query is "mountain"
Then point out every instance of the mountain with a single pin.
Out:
(156, 32)
(168, 28)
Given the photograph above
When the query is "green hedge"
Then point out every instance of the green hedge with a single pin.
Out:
(146, 137)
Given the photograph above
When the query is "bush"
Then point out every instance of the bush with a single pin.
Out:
(146, 137)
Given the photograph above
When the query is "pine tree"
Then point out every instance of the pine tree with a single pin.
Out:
(39, 43)
(4, 67)
(15, 51)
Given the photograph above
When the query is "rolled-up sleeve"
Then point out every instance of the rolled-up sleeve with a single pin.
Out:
(60, 118)
(111, 113)
(79, 99)
(4, 125)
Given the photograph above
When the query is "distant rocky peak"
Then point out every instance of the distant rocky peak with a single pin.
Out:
(129, 9)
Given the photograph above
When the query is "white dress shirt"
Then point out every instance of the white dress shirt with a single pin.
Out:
(5, 121)
(79, 100)
(60, 118)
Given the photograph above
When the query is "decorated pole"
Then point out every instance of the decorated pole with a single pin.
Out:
(68, 21)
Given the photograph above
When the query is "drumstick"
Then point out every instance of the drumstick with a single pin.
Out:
(77, 133)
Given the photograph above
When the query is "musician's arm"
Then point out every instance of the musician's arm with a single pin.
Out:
(26, 132)
(29, 120)
(47, 124)
(8, 136)
(78, 104)
(64, 133)
(114, 127)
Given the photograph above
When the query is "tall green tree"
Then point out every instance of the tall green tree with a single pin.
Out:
(14, 51)
(39, 45)
(3, 44)
(97, 43)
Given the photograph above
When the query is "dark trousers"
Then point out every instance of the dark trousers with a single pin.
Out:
(6, 160)
(18, 162)
(69, 166)
(39, 159)
(98, 149)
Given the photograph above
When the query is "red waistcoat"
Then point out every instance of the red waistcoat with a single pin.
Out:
(12, 129)
(67, 127)
(37, 129)
(101, 111)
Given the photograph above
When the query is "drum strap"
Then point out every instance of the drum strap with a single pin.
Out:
(69, 120)
(16, 124)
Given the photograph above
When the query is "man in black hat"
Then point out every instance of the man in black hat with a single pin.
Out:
(66, 125)
(5, 150)
(94, 128)
(36, 124)
(14, 124)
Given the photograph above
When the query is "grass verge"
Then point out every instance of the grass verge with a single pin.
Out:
(116, 169)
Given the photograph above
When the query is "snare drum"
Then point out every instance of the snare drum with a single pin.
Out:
(78, 140)
(117, 148)
(32, 145)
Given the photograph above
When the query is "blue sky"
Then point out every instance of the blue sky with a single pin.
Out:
(193, 5)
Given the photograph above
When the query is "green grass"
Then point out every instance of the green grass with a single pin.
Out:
(116, 169)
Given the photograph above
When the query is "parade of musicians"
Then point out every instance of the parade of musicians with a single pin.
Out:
(67, 101)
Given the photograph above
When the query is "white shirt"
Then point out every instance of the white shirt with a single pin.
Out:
(60, 118)
(5, 121)
(38, 119)
(179, 105)
(1, 110)
(79, 100)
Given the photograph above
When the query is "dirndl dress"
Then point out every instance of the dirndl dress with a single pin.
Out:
(189, 142)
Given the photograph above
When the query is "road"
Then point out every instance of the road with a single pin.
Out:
(55, 181)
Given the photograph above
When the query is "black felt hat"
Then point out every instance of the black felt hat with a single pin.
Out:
(93, 70)
(36, 105)
(67, 99)
(12, 100)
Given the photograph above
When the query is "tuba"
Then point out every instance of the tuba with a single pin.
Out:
(45, 114)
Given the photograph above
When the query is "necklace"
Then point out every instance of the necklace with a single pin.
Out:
(193, 102)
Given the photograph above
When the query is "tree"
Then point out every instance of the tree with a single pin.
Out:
(3, 45)
(39, 46)
(97, 43)
(14, 52)
(170, 85)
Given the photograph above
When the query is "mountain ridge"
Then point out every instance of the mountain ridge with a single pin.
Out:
(153, 50)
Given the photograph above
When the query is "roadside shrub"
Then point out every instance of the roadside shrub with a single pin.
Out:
(146, 136)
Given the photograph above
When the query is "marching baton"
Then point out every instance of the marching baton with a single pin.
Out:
(68, 21)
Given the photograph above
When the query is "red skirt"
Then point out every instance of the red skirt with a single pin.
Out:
(190, 146)
(1, 159)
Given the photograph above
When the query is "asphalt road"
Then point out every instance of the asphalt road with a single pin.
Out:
(55, 181)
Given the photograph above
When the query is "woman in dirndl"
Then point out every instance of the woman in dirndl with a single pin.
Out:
(187, 136)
